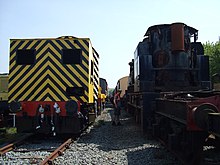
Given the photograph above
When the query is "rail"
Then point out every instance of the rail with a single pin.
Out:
(12, 145)
(57, 152)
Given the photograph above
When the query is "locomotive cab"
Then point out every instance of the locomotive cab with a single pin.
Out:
(169, 58)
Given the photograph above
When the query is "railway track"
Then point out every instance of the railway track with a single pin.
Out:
(8, 147)
(44, 151)
(34, 151)
(57, 152)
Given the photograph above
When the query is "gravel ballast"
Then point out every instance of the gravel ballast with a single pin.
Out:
(122, 145)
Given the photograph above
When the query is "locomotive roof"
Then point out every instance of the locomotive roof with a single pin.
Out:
(62, 37)
(3, 74)
(155, 27)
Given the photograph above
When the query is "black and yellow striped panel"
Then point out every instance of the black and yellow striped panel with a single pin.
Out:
(96, 73)
(48, 78)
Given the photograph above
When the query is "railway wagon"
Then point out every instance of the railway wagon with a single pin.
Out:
(3, 93)
(103, 93)
(4, 108)
(170, 91)
(53, 84)
(3, 87)
(122, 84)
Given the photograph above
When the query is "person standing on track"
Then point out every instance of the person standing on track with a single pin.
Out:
(117, 108)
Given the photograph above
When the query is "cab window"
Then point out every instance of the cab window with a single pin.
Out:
(72, 56)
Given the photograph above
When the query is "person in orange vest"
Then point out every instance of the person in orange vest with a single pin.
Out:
(117, 108)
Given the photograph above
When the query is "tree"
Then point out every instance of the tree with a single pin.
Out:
(110, 91)
(213, 51)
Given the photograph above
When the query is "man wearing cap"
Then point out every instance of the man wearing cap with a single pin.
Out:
(117, 108)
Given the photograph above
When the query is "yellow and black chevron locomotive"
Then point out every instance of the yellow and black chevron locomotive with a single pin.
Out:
(53, 83)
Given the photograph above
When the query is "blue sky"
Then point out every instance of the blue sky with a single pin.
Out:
(115, 26)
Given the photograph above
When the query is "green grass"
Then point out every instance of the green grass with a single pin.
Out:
(6, 134)
(11, 130)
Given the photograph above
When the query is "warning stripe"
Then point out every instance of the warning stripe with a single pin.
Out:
(47, 79)
(39, 67)
(96, 74)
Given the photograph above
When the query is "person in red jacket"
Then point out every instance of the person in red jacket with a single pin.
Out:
(117, 108)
